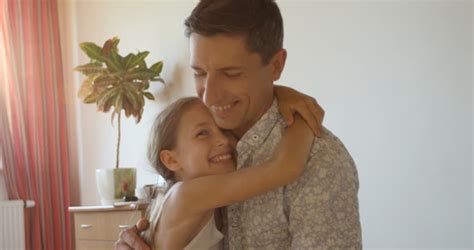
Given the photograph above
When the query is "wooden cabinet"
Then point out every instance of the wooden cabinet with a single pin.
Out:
(98, 227)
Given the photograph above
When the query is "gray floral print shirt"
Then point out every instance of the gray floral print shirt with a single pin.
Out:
(318, 211)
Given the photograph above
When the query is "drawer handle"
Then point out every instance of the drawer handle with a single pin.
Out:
(86, 226)
(124, 226)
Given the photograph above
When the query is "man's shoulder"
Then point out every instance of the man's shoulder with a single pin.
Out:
(328, 143)
(329, 150)
(329, 160)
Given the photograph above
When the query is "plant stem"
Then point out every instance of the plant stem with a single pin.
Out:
(118, 142)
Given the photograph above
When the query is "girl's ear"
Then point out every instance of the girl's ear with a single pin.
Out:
(170, 159)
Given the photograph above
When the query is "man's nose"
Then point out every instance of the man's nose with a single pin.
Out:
(212, 91)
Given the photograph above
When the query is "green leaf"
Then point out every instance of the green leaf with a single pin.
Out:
(143, 75)
(138, 59)
(92, 98)
(141, 100)
(86, 88)
(118, 102)
(133, 98)
(112, 118)
(142, 65)
(157, 79)
(105, 99)
(157, 67)
(111, 65)
(114, 62)
(106, 80)
(128, 59)
(117, 57)
(115, 41)
(107, 105)
(146, 84)
(149, 96)
(138, 115)
(127, 107)
(92, 50)
(90, 68)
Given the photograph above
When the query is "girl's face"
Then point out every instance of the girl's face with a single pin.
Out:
(202, 148)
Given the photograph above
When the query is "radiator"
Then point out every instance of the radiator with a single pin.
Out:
(12, 223)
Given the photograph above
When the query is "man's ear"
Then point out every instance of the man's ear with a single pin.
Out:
(278, 64)
(170, 160)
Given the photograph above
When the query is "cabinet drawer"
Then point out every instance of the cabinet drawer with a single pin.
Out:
(95, 245)
(103, 226)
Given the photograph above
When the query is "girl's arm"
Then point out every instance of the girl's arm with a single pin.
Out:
(286, 165)
(291, 102)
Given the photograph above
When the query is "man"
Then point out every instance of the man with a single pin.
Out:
(237, 54)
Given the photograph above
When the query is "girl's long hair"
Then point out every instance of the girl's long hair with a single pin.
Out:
(163, 136)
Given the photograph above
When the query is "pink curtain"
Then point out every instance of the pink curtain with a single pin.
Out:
(33, 126)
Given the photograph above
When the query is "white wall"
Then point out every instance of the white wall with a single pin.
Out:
(395, 79)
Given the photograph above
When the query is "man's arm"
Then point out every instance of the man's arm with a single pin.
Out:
(322, 205)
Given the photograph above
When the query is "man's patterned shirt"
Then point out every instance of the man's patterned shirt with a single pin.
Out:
(318, 211)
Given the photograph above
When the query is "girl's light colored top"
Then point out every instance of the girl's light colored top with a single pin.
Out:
(209, 237)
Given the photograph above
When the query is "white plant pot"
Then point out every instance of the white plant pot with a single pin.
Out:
(104, 179)
(111, 183)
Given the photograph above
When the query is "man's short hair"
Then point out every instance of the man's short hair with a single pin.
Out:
(259, 20)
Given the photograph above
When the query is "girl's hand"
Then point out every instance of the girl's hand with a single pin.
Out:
(130, 239)
(291, 102)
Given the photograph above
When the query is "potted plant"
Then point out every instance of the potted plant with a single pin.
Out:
(117, 83)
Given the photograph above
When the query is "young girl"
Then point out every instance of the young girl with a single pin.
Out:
(198, 161)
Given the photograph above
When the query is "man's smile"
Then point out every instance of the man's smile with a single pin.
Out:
(222, 111)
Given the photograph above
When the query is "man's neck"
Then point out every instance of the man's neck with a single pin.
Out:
(240, 132)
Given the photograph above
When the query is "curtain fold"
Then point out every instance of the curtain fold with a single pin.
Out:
(33, 125)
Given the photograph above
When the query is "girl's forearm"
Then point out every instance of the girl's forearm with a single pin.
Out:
(292, 153)
(286, 165)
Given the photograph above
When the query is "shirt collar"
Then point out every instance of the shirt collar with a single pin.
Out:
(259, 132)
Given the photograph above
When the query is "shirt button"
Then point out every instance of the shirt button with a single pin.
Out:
(255, 137)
